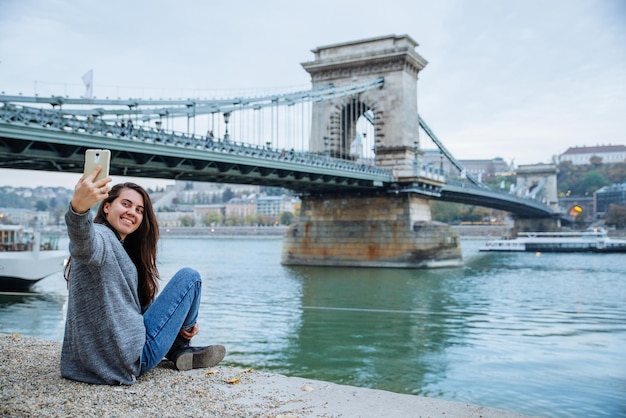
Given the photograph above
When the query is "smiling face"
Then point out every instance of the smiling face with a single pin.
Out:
(125, 213)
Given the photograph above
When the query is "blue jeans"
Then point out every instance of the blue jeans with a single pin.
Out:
(175, 309)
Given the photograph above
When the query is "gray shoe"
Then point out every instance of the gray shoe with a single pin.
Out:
(198, 357)
(186, 357)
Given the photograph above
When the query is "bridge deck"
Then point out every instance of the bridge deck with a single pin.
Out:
(53, 140)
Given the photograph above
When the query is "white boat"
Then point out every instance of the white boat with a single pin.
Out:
(27, 256)
(595, 241)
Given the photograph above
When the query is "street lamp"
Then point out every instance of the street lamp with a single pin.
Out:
(226, 119)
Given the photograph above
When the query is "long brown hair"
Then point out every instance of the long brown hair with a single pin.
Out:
(141, 245)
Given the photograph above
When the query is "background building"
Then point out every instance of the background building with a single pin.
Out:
(479, 168)
(582, 155)
(28, 217)
(201, 211)
(607, 196)
(241, 207)
(170, 219)
(273, 206)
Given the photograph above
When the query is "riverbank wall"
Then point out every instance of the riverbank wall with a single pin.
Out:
(469, 231)
(464, 231)
(225, 231)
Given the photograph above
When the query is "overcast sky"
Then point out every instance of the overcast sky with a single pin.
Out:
(518, 79)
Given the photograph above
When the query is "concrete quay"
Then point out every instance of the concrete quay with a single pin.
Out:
(31, 386)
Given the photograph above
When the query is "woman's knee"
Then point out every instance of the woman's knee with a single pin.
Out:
(187, 274)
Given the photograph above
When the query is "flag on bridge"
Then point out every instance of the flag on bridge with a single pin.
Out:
(88, 81)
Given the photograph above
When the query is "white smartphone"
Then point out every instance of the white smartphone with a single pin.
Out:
(95, 157)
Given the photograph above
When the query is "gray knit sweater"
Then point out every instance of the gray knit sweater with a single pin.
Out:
(104, 329)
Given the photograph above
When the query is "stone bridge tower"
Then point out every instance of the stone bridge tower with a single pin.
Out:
(379, 229)
(392, 108)
(538, 181)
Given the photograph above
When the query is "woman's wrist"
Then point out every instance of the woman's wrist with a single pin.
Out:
(77, 209)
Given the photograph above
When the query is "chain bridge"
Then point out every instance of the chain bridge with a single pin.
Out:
(54, 139)
(350, 145)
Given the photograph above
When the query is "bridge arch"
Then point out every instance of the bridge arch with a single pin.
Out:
(351, 126)
(393, 106)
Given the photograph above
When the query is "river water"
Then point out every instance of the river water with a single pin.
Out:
(536, 334)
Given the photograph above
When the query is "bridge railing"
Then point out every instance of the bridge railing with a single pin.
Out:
(55, 119)
(431, 172)
(468, 185)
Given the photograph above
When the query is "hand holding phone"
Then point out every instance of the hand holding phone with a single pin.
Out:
(87, 194)
(94, 158)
